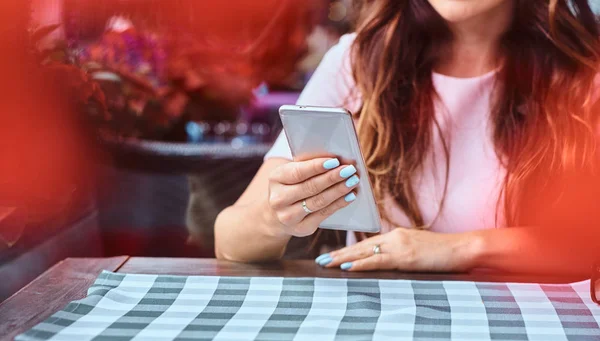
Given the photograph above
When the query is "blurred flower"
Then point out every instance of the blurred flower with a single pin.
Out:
(131, 67)
(119, 24)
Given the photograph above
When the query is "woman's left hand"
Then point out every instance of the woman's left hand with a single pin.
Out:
(407, 250)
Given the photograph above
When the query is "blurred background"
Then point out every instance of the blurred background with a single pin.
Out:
(129, 124)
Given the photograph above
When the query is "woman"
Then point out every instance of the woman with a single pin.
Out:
(477, 121)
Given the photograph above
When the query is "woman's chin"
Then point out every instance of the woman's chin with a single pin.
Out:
(457, 11)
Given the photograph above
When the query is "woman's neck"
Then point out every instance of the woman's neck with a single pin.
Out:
(475, 47)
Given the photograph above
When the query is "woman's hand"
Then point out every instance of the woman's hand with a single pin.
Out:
(407, 250)
(323, 185)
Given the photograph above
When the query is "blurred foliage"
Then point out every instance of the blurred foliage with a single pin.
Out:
(58, 67)
(164, 62)
(153, 80)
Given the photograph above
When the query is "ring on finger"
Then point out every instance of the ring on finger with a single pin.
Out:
(305, 208)
(376, 249)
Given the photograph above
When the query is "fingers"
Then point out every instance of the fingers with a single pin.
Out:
(382, 261)
(322, 183)
(297, 172)
(285, 195)
(345, 175)
(321, 204)
(361, 250)
(328, 196)
(317, 217)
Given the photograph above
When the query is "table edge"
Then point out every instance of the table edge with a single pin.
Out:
(327, 273)
(10, 328)
(57, 264)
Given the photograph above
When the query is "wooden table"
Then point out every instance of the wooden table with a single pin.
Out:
(70, 279)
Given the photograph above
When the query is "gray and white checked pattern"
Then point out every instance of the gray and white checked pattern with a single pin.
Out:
(150, 307)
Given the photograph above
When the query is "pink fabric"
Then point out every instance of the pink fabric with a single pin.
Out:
(475, 174)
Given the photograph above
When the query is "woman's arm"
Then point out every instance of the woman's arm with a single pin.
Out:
(250, 230)
(536, 250)
(530, 250)
(247, 231)
(259, 225)
(565, 239)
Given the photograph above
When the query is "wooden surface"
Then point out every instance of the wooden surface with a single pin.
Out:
(51, 291)
(305, 268)
(70, 279)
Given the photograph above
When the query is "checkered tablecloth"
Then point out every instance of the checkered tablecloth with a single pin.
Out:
(149, 307)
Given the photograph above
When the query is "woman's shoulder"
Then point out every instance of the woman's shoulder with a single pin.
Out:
(346, 41)
(338, 57)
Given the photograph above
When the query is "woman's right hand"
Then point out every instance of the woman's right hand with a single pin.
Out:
(323, 183)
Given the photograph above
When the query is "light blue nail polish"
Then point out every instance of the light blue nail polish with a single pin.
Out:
(325, 261)
(321, 257)
(350, 197)
(331, 163)
(353, 181)
(346, 266)
(347, 171)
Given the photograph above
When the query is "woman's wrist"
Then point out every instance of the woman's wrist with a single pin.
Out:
(271, 225)
(471, 250)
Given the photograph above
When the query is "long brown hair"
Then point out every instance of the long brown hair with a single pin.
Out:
(543, 113)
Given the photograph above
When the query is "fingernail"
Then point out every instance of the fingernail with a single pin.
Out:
(331, 163)
(323, 256)
(347, 171)
(350, 197)
(346, 266)
(353, 181)
(325, 260)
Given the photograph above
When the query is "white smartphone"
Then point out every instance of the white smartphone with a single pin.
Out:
(329, 132)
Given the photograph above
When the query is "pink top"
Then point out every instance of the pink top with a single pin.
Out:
(463, 110)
